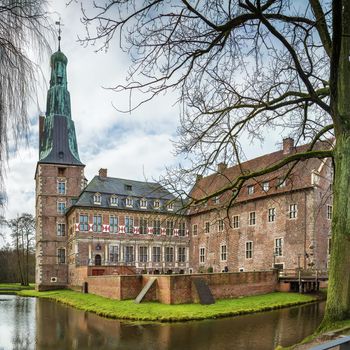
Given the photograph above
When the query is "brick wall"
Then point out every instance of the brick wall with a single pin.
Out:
(179, 289)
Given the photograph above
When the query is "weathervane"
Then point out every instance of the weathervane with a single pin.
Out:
(59, 24)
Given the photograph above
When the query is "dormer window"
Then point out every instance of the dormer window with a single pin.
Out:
(97, 198)
(281, 182)
(156, 204)
(114, 200)
(216, 199)
(143, 203)
(250, 189)
(170, 206)
(128, 187)
(129, 202)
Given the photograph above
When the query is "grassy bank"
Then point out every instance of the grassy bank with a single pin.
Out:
(13, 288)
(153, 311)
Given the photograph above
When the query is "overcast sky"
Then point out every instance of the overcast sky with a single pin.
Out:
(134, 146)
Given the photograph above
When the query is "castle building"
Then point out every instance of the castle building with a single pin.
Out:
(119, 226)
(279, 220)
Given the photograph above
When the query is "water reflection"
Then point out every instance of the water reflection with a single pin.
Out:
(61, 327)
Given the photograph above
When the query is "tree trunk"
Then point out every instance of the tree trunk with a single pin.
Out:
(338, 300)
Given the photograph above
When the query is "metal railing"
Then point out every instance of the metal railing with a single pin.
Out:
(342, 344)
(302, 273)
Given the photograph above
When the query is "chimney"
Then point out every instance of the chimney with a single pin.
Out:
(288, 145)
(41, 128)
(221, 167)
(102, 172)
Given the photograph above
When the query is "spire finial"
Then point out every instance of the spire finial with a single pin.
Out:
(59, 24)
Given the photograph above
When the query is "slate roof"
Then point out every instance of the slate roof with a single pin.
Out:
(300, 177)
(108, 186)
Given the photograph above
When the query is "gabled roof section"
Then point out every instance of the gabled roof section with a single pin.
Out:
(300, 177)
(123, 189)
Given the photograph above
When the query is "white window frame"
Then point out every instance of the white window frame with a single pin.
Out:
(115, 224)
(252, 218)
(97, 198)
(278, 248)
(271, 215)
(201, 255)
(59, 182)
(156, 204)
(293, 211)
(281, 182)
(83, 222)
(223, 252)
(221, 225)
(156, 258)
(129, 202)
(266, 186)
(114, 253)
(170, 206)
(250, 189)
(59, 231)
(129, 229)
(143, 256)
(181, 254)
(249, 252)
(194, 230)
(329, 212)
(143, 203)
(59, 257)
(143, 228)
(59, 203)
(114, 200)
(235, 223)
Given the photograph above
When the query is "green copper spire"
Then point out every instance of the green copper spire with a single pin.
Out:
(58, 143)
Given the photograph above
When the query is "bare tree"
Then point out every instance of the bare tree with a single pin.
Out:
(24, 26)
(242, 66)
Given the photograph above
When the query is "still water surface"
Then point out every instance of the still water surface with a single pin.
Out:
(29, 323)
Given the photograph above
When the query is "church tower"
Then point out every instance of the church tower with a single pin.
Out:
(59, 178)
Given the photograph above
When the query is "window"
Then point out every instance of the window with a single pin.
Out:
(114, 200)
(250, 189)
(170, 206)
(61, 207)
(129, 202)
(329, 245)
(223, 252)
(97, 198)
(329, 212)
(129, 224)
(129, 253)
(61, 229)
(156, 227)
(272, 214)
(292, 211)
(249, 250)
(169, 254)
(61, 255)
(143, 256)
(143, 226)
(236, 221)
(181, 256)
(61, 171)
(156, 204)
(252, 218)
(182, 229)
(265, 186)
(220, 225)
(113, 253)
(83, 222)
(128, 187)
(281, 182)
(206, 227)
(143, 203)
(156, 254)
(201, 255)
(216, 200)
(97, 223)
(169, 227)
(278, 246)
(61, 187)
(195, 230)
(113, 224)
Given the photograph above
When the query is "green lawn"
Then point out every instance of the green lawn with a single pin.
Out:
(153, 311)
(10, 288)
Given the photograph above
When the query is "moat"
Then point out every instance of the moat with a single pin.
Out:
(29, 323)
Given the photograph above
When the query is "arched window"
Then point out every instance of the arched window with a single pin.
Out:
(98, 260)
